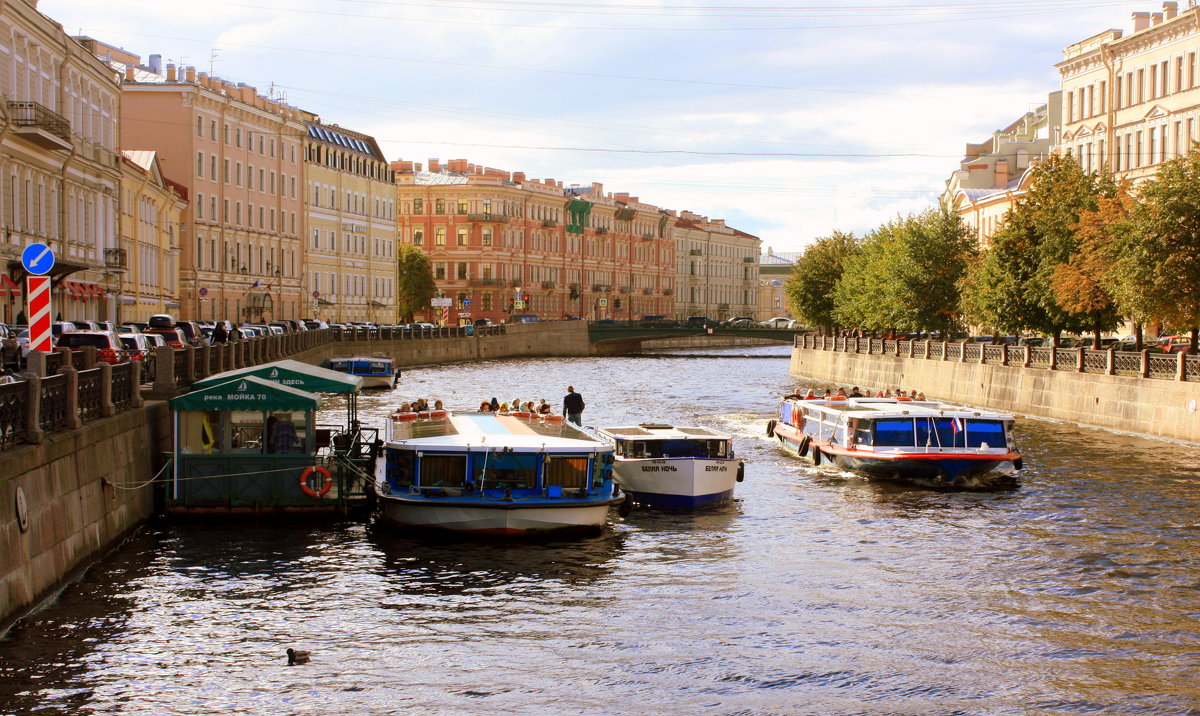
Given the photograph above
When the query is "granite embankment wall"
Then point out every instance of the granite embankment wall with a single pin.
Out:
(1154, 407)
(74, 487)
(708, 342)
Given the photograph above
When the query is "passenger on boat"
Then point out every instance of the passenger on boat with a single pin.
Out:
(503, 409)
(421, 406)
(855, 392)
(920, 396)
(544, 408)
(809, 395)
(828, 395)
(840, 395)
(485, 407)
(495, 404)
(437, 405)
(529, 407)
(515, 404)
(404, 408)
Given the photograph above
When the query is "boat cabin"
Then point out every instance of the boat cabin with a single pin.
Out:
(653, 441)
(885, 424)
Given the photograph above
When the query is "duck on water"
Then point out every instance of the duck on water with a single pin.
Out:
(924, 442)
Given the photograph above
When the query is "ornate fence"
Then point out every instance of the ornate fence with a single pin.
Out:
(69, 388)
(1144, 364)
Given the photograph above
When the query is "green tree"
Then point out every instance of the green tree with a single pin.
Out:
(816, 273)
(1014, 280)
(1156, 274)
(415, 281)
(865, 296)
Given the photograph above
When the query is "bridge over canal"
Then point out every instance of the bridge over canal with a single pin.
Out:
(617, 339)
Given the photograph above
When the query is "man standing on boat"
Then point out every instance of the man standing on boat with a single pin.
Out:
(573, 406)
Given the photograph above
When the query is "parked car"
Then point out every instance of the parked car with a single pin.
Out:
(700, 322)
(161, 320)
(483, 322)
(108, 346)
(86, 326)
(1175, 344)
(524, 318)
(154, 340)
(655, 321)
(58, 328)
(778, 322)
(314, 324)
(738, 322)
(173, 336)
(191, 332)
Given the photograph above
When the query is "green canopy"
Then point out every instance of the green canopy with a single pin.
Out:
(293, 374)
(247, 393)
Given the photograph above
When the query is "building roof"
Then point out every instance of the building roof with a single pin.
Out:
(774, 260)
(143, 158)
(351, 141)
(438, 178)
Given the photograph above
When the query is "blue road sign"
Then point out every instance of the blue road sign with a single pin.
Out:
(37, 259)
(466, 302)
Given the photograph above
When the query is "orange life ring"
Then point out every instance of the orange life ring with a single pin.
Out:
(405, 417)
(437, 414)
(324, 486)
(552, 418)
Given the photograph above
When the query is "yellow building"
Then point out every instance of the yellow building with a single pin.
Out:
(350, 219)
(1132, 101)
(147, 259)
(994, 174)
(58, 170)
(716, 268)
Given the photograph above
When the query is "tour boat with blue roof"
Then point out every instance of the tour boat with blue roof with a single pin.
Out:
(376, 371)
(493, 474)
(925, 442)
(674, 468)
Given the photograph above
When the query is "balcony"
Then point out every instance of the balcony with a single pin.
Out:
(722, 306)
(116, 259)
(622, 289)
(747, 259)
(696, 252)
(549, 223)
(668, 291)
(39, 125)
(492, 218)
(647, 237)
(515, 283)
(547, 284)
(647, 291)
(485, 282)
(601, 231)
(601, 288)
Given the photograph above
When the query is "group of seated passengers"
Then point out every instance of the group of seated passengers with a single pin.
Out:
(420, 405)
(841, 394)
(517, 406)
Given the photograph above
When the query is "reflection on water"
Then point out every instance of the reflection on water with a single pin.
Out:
(815, 592)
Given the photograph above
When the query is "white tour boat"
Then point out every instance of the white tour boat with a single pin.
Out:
(674, 468)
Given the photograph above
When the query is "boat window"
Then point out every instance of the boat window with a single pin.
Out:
(569, 472)
(862, 436)
(199, 432)
(985, 431)
(286, 432)
(516, 471)
(443, 470)
(401, 467)
(940, 432)
(246, 431)
(894, 432)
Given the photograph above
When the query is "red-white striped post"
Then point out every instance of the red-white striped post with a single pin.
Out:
(37, 303)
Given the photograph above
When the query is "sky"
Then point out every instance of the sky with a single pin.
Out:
(787, 118)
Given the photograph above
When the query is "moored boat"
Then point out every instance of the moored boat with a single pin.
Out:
(918, 441)
(674, 468)
(483, 473)
(376, 371)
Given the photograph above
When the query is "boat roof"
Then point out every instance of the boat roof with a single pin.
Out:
(875, 408)
(246, 393)
(382, 359)
(655, 431)
(477, 432)
(294, 374)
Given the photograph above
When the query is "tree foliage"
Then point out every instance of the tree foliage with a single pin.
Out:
(415, 281)
(810, 288)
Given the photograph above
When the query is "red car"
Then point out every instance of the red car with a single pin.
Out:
(173, 336)
(106, 343)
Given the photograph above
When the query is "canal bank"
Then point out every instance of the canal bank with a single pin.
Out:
(1143, 406)
(74, 496)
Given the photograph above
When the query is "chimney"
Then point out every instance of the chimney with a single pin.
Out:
(171, 72)
(190, 73)
(597, 189)
(518, 177)
(130, 73)
(435, 166)
(1001, 172)
(1170, 10)
(156, 64)
(1141, 20)
(1156, 18)
(622, 197)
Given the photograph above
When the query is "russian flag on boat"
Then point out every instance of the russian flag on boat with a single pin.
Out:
(957, 425)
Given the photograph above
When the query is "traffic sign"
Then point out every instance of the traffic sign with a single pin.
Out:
(37, 259)
(466, 302)
(518, 304)
(603, 302)
(37, 292)
(316, 294)
(203, 291)
(441, 302)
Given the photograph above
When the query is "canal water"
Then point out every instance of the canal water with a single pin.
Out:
(1076, 592)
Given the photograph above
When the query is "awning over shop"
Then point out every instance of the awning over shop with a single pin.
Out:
(293, 374)
(8, 287)
(247, 393)
(378, 304)
(75, 290)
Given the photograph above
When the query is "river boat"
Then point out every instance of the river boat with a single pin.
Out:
(925, 442)
(376, 371)
(674, 468)
(489, 474)
(249, 441)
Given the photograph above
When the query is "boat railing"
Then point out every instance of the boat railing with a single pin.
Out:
(1137, 364)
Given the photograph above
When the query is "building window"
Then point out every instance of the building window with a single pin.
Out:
(487, 237)
(439, 272)
(200, 164)
(462, 237)
(418, 206)
(439, 236)
(487, 207)
(462, 269)
(439, 206)
(462, 206)
(418, 237)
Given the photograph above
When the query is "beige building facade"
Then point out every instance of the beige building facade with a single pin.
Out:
(240, 157)
(774, 270)
(146, 261)
(994, 174)
(1132, 101)
(350, 212)
(716, 269)
(59, 174)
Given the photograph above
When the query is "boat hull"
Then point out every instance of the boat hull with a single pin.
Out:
(377, 381)
(683, 484)
(495, 518)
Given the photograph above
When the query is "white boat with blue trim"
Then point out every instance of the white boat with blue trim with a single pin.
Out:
(925, 442)
(376, 371)
(484, 473)
(674, 468)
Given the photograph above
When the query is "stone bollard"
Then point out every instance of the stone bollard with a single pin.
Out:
(135, 390)
(72, 396)
(164, 378)
(189, 366)
(33, 405)
(1027, 360)
(107, 409)
(90, 357)
(1111, 363)
(35, 363)
(1181, 366)
(1080, 361)
(203, 366)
